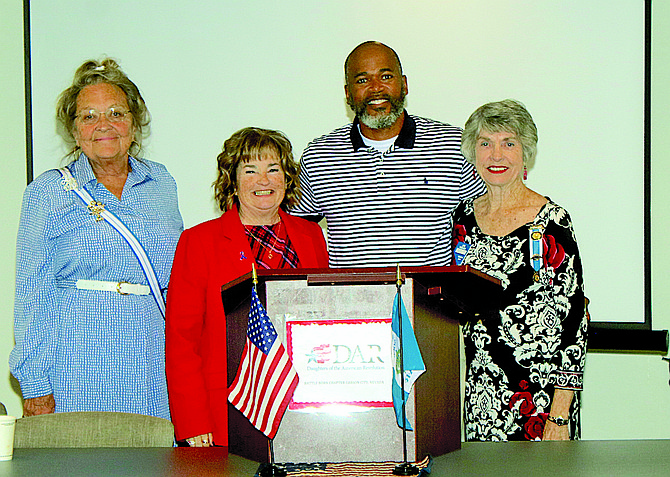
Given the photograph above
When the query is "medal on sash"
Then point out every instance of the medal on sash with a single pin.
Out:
(460, 251)
(535, 234)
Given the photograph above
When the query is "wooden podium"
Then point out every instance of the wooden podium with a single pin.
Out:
(436, 299)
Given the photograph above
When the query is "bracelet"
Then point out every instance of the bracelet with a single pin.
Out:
(558, 420)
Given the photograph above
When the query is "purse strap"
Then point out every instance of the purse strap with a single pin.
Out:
(99, 211)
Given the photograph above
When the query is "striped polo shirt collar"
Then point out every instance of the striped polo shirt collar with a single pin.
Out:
(405, 138)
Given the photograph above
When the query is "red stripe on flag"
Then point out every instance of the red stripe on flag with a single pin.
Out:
(256, 362)
(279, 372)
(260, 385)
(284, 404)
(248, 386)
(241, 378)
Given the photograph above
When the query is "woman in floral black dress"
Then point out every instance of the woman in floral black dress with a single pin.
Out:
(524, 364)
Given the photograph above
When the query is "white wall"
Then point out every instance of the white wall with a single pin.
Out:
(209, 68)
(12, 140)
(627, 396)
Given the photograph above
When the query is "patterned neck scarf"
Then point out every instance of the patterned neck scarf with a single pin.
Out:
(271, 246)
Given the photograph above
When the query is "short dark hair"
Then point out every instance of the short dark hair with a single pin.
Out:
(370, 43)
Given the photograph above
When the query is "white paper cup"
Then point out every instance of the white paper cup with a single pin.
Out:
(7, 424)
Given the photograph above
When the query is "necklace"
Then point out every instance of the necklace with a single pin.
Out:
(273, 246)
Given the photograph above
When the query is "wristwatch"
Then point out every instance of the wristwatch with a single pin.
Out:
(559, 420)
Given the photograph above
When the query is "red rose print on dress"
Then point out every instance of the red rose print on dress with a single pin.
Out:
(526, 408)
(535, 426)
(459, 235)
(553, 252)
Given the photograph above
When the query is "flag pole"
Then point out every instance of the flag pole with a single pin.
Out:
(398, 286)
(272, 469)
(405, 468)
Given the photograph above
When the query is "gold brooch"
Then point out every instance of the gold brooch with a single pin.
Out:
(69, 183)
(96, 208)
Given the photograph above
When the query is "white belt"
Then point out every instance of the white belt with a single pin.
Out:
(123, 288)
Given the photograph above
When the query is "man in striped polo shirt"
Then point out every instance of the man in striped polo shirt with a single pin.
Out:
(388, 182)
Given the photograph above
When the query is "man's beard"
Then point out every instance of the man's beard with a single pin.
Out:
(383, 120)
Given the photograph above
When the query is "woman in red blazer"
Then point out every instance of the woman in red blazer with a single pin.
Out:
(257, 181)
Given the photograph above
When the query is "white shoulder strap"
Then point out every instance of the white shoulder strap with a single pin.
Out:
(98, 210)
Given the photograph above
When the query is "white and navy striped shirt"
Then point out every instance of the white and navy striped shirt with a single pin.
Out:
(389, 208)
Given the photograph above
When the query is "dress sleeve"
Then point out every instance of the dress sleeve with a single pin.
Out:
(171, 208)
(561, 256)
(184, 325)
(169, 188)
(35, 306)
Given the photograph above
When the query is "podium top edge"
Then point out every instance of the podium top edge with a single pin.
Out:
(378, 273)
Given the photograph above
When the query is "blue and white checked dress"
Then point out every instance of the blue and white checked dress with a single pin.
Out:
(94, 350)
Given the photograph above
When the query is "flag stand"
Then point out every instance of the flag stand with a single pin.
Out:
(405, 468)
(272, 469)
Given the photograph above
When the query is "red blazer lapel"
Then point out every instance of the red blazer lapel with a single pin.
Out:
(302, 242)
(235, 244)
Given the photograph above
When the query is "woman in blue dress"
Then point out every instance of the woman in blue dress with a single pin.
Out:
(88, 319)
(524, 363)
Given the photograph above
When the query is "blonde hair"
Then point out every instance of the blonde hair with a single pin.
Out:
(93, 72)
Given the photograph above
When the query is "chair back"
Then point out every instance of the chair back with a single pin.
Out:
(3, 410)
(93, 429)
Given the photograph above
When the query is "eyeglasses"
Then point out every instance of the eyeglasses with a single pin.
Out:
(113, 115)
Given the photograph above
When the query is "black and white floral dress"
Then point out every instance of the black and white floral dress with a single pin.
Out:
(537, 341)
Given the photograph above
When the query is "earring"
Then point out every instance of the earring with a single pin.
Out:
(525, 173)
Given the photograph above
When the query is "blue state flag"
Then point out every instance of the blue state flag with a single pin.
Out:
(413, 361)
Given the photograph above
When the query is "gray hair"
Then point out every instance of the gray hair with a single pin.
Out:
(93, 72)
(508, 115)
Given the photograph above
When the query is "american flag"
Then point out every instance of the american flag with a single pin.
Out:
(266, 378)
